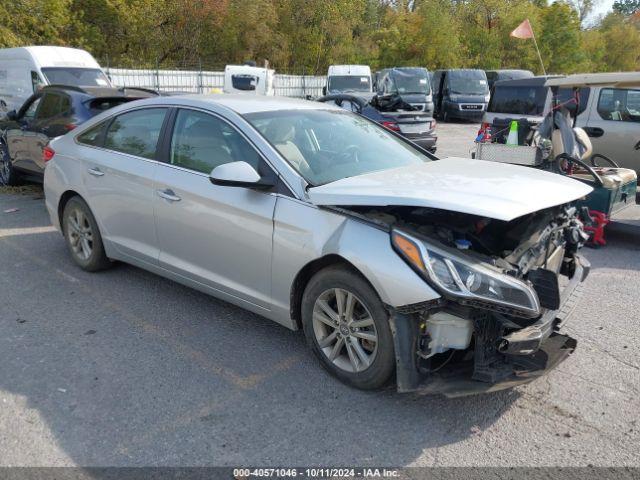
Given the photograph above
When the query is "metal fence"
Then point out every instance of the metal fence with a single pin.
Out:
(202, 81)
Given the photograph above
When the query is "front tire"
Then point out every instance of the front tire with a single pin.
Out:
(347, 327)
(8, 175)
(83, 236)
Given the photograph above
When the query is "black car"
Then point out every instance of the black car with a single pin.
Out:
(52, 111)
(414, 125)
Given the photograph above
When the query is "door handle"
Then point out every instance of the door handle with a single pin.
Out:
(96, 172)
(168, 194)
(593, 131)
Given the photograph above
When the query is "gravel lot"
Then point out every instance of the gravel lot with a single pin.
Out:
(124, 368)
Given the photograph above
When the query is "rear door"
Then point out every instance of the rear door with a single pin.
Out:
(219, 237)
(119, 179)
(614, 125)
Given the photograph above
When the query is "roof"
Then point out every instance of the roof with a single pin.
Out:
(99, 92)
(525, 82)
(614, 79)
(349, 70)
(243, 104)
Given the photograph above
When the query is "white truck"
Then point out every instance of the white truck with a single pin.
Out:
(23, 70)
(355, 79)
(249, 79)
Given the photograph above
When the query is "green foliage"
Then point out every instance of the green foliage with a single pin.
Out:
(308, 35)
(626, 7)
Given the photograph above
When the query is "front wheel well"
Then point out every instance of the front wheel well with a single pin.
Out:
(306, 273)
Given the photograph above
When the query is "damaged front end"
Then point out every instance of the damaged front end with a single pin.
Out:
(506, 287)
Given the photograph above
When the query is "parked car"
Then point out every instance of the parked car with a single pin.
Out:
(416, 126)
(23, 70)
(494, 76)
(461, 94)
(49, 113)
(249, 79)
(412, 84)
(524, 99)
(349, 79)
(607, 108)
(444, 273)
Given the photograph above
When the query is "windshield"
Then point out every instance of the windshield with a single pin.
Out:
(468, 82)
(328, 145)
(349, 83)
(518, 100)
(77, 77)
(412, 81)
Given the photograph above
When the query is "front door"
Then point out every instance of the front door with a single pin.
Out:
(614, 125)
(19, 135)
(119, 179)
(217, 236)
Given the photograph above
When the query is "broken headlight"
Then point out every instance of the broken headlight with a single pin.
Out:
(466, 281)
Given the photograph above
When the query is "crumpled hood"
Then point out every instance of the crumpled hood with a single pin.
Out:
(487, 189)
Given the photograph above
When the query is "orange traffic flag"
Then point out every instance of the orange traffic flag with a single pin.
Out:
(523, 30)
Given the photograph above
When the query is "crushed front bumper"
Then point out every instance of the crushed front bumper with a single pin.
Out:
(526, 354)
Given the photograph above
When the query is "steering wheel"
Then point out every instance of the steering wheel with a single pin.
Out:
(569, 159)
(350, 153)
(594, 162)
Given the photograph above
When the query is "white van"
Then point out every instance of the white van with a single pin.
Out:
(25, 69)
(354, 79)
(247, 79)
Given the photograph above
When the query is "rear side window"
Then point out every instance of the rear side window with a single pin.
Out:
(50, 106)
(136, 133)
(98, 105)
(518, 100)
(93, 136)
(619, 104)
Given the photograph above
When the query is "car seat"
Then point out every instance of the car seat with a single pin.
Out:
(281, 132)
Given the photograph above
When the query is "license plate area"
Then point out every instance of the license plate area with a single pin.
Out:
(414, 127)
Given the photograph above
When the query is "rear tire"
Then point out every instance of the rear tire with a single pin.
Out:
(352, 340)
(83, 236)
(8, 174)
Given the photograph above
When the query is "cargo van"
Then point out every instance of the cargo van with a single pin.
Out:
(460, 93)
(354, 79)
(249, 80)
(23, 70)
(494, 76)
(411, 84)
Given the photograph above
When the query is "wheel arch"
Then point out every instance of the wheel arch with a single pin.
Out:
(307, 272)
(64, 199)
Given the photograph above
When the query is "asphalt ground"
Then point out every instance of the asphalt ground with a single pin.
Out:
(124, 368)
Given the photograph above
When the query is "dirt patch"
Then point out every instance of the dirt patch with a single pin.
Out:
(35, 190)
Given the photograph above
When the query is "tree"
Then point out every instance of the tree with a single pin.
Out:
(559, 41)
(626, 7)
(583, 8)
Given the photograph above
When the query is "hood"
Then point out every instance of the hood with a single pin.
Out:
(487, 189)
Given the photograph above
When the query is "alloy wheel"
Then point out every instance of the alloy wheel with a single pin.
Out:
(344, 330)
(80, 234)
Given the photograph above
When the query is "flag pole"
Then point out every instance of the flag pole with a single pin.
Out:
(533, 35)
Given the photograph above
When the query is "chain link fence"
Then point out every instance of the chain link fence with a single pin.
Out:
(204, 81)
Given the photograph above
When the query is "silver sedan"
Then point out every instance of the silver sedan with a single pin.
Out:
(393, 264)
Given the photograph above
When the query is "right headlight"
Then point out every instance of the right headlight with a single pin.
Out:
(466, 281)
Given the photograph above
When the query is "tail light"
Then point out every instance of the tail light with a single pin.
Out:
(47, 153)
(391, 126)
(70, 126)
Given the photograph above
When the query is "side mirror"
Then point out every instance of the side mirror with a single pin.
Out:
(12, 115)
(238, 174)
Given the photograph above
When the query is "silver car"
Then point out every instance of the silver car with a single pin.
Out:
(442, 275)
